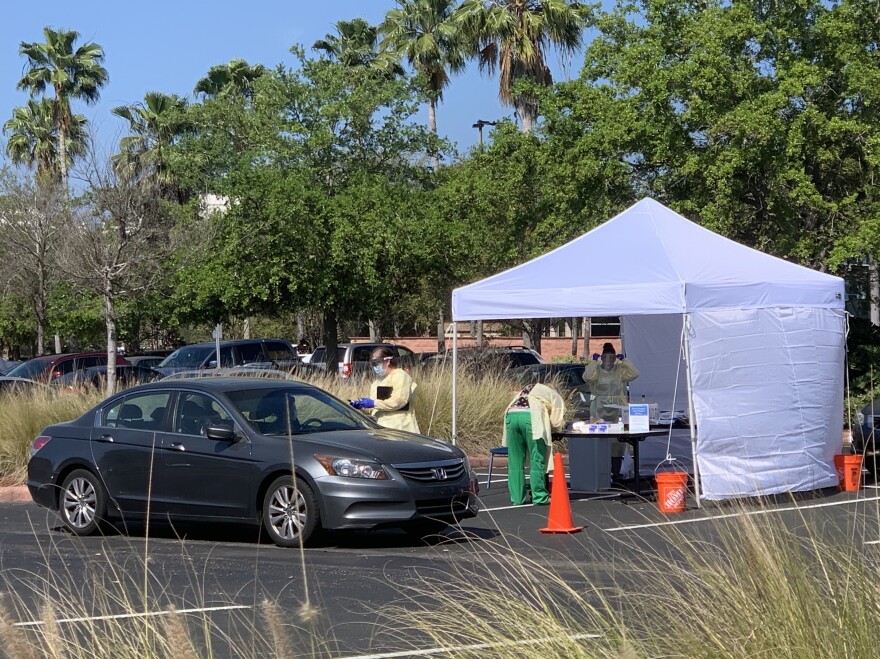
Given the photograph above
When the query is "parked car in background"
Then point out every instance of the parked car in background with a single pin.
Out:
(864, 436)
(493, 358)
(354, 358)
(7, 365)
(96, 377)
(19, 386)
(49, 367)
(268, 353)
(218, 449)
(146, 361)
(568, 378)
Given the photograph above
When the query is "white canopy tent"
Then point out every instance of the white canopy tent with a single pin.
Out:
(762, 340)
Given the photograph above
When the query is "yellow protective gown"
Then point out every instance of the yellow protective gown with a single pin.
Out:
(608, 388)
(397, 411)
(547, 408)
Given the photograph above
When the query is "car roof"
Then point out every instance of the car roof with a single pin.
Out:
(229, 342)
(224, 384)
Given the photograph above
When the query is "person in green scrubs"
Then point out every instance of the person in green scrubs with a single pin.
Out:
(529, 420)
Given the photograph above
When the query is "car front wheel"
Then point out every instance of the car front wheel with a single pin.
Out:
(82, 502)
(290, 512)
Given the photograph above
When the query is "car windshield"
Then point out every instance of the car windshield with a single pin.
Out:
(32, 369)
(306, 411)
(187, 357)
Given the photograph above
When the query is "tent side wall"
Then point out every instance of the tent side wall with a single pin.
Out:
(768, 399)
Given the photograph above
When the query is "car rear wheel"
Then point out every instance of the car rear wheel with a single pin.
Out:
(290, 512)
(82, 502)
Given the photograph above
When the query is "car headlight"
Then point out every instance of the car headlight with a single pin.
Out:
(352, 468)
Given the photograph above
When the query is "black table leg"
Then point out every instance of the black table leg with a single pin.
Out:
(638, 485)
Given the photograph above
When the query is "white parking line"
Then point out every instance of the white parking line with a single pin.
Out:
(748, 514)
(148, 614)
(463, 648)
(872, 542)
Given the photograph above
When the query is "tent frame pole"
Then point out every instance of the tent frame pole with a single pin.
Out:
(691, 419)
(454, 382)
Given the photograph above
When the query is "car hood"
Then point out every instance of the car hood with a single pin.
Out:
(384, 445)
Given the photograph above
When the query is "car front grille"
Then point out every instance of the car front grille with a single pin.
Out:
(432, 472)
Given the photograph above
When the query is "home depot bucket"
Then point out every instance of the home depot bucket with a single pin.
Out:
(671, 491)
(849, 471)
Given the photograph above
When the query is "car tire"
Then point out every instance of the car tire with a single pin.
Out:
(82, 502)
(290, 512)
(425, 527)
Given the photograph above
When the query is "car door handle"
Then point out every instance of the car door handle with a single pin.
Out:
(106, 439)
(177, 446)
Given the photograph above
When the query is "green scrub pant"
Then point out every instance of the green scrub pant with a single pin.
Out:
(519, 445)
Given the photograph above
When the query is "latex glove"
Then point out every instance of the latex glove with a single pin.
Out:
(621, 356)
(356, 404)
(595, 356)
(367, 403)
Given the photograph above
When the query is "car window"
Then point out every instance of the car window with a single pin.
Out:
(318, 356)
(33, 369)
(278, 352)
(301, 411)
(195, 411)
(88, 362)
(187, 357)
(61, 368)
(404, 352)
(361, 353)
(144, 411)
(249, 353)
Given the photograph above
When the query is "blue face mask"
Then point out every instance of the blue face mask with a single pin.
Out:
(379, 370)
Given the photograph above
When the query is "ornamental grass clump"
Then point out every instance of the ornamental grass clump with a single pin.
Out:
(740, 587)
(23, 416)
(109, 607)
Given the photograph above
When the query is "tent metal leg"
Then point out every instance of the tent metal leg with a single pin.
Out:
(691, 419)
(454, 383)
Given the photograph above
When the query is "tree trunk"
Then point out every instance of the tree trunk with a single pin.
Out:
(527, 109)
(62, 154)
(432, 122)
(375, 334)
(874, 279)
(110, 320)
(574, 336)
(441, 335)
(330, 343)
(479, 333)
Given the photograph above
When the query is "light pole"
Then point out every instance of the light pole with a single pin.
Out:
(479, 126)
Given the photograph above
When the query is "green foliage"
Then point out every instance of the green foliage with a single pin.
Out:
(76, 315)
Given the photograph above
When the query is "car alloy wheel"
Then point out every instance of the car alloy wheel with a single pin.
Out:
(82, 502)
(290, 512)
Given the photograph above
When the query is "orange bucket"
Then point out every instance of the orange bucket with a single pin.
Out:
(849, 471)
(671, 491)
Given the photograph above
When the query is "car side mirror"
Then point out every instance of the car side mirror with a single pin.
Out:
(212, 363)
(221, 430)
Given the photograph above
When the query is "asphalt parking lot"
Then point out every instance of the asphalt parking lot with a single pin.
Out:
(351, 578)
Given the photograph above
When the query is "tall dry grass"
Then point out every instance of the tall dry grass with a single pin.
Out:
(757, 589)
(23, 416)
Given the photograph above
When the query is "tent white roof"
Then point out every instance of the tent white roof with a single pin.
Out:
(646, 260)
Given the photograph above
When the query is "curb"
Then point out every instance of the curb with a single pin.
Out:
(14, 493)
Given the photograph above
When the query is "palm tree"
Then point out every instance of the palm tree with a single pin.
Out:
(356, 45)
(154, 126)
(33, 138)
(72, 75)
(422, 31)
(511, 35)
(236, 77)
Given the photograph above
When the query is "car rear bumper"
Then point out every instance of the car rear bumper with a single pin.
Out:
(349, 503)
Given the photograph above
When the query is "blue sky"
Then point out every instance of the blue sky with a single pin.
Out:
(167, 46)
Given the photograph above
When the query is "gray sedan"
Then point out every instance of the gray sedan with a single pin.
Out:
(285, 454)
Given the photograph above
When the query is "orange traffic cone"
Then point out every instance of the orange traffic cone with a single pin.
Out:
(559, 520)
